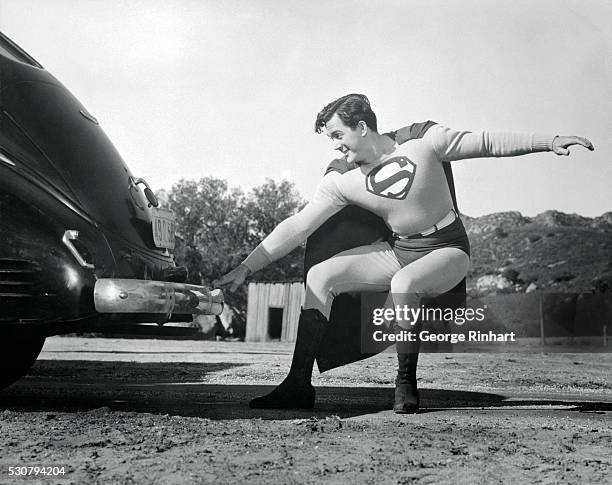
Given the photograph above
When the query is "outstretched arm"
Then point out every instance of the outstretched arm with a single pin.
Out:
(288, 234)
(452, 145)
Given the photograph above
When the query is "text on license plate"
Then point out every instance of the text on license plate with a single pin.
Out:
(164, 225)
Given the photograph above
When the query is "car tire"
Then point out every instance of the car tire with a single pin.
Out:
(17, 354)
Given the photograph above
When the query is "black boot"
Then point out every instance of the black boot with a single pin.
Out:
(296, 391)
(406, 392)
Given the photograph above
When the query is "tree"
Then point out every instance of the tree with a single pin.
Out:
(267, 205)
(212, 225)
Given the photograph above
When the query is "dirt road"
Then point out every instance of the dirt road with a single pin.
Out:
(148, 411)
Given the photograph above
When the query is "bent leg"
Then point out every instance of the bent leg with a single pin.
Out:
(365, 268)
(433, 274)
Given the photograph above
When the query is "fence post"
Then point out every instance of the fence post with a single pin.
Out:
(542, 336)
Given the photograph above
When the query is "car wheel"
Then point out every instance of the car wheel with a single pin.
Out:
(17, 354)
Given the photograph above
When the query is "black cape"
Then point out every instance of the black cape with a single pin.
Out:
(349, 228)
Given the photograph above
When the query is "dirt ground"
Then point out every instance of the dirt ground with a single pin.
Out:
(153, 411)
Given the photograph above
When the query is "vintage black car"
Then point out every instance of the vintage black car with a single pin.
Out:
(84, 246)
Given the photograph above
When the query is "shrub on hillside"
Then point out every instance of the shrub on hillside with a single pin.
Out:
(511, 275)
(563, 276)
(499, 232)
(602, 283)
(529, 277)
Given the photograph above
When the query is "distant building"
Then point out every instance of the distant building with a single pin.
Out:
(273, 311)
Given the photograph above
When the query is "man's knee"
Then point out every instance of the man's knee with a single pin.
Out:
(406, 283)
(319, 277)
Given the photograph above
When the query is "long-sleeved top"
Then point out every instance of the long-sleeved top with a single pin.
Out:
(407, 187)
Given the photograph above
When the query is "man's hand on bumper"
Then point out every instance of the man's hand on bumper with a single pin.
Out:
(236, 277)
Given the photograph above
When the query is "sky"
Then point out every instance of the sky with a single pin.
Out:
(230, 89)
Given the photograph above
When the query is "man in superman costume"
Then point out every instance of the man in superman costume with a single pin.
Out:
(402, 179)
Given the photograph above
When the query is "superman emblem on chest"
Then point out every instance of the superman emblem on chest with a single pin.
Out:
(391, 179)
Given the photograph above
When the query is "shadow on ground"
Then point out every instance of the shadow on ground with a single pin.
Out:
(177, 389)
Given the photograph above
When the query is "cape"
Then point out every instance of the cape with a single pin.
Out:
(349, 228)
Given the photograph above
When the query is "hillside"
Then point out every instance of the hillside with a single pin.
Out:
(553, 252)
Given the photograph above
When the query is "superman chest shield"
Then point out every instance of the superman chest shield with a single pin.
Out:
(391, 179)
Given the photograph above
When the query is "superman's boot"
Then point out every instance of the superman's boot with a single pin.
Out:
(296, 391)
(406, 392)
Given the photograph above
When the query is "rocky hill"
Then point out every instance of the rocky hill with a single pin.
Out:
(552, 252)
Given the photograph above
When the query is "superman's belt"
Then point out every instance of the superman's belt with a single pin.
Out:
(447, 220)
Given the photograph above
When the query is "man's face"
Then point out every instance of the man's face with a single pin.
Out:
(347, 140)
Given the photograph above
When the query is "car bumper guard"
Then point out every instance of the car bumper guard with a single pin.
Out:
(114, 295)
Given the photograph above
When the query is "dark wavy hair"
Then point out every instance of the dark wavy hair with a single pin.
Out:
(351, 109)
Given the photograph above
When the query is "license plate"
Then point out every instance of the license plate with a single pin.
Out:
(164, 225)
